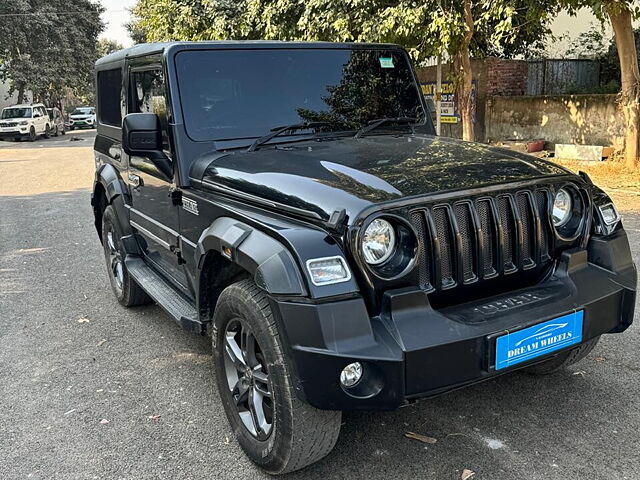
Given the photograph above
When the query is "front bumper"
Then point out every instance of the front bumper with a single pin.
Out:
(411, 350)
(81, 124)
(6, 133)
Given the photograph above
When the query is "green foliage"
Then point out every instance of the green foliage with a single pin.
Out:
(602, 8)
(425, 28)
(591, 44)
(106, 46)
(46, 52)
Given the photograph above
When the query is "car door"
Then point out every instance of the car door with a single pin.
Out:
(154, 215)
(37, 120)
(44, 119)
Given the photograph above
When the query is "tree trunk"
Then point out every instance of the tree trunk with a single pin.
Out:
(630, 79)
(462, 64)
(21, 93)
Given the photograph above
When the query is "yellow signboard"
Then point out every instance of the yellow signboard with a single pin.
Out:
(447, 100)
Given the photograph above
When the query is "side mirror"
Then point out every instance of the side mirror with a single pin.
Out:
(142, 137)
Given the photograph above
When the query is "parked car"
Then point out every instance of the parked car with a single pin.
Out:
(82, 117)
(57, 121)
(25, 121)
(292, 201)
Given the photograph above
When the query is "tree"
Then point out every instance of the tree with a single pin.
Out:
(107, 46)
(621, 14)
(591, 44)
(426, 28)
(610, 63)
(48, 46)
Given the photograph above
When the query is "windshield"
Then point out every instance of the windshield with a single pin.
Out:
(82, 111)
(21, 112)
(233, 94)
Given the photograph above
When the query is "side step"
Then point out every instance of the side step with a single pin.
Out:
(172, 301)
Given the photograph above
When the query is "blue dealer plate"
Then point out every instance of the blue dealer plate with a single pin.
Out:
(543, 338)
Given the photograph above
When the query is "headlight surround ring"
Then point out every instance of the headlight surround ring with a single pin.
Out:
(572, 225)
(402, 257)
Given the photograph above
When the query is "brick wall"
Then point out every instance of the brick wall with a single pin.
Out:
(506, 77)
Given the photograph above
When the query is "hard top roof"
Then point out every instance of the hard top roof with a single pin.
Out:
(25, 105)
(145, 49)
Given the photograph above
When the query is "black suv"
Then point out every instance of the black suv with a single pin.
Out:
(292, 201)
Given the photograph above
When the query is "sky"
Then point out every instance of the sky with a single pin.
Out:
(117, 14)
(114, 17)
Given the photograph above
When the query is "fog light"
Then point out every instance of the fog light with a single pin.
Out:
(351, 374)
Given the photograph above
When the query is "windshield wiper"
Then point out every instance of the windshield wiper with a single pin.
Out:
(279, 130)
(373, 124)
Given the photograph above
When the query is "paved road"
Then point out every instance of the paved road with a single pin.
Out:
(75, 138)
(70, 357)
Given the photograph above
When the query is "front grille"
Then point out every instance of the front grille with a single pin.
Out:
(9, 124)
(465, 241)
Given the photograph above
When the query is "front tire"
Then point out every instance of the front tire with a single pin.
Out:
(32, 134)
(47, 131)
(563, 360)
(276, 430)
(125, 288)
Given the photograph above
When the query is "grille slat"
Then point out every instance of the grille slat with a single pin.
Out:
(488, 228)
(467, 241)
(529, 229)
(467, 238)
(542, 206)
(445, 240)
(420, 223)
(507, 233)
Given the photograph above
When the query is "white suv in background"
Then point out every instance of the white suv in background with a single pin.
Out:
(25, 121)
(82, 117)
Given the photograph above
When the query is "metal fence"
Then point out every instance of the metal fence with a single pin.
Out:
(558, 77)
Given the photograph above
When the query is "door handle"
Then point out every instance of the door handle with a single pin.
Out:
(134, 180)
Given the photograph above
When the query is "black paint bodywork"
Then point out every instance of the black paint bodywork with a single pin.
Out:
(302, 198)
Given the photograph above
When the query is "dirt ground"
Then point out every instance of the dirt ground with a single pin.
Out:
(32, 162)
(622, 185)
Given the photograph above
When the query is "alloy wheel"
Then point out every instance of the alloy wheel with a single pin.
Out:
(248, 379)
(115, 260)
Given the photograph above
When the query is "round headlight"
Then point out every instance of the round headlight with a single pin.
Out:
(378, 242)
(562, 207)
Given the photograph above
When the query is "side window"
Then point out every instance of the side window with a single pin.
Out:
(148, 96)
(109, 87)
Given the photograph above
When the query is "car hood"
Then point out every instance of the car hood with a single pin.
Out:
(352, 174)
(14, 119)
(80, 117)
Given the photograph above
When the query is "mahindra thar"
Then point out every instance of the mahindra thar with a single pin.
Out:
(292, 201)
